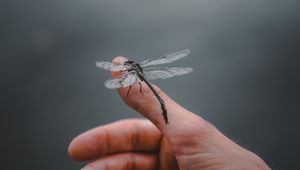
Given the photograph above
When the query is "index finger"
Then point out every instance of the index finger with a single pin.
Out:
(139, 135)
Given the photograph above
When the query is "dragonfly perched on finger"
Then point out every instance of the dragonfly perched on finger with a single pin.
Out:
(133, 73)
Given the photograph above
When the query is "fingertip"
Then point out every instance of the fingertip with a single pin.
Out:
(82, 148)
(119, 60)
(73, 150)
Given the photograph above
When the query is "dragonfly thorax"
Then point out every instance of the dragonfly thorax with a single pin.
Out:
(134, 66)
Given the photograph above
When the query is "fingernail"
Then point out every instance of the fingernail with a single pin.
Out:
(87, 167)
(84, 168)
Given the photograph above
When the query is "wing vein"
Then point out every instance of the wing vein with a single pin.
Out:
(167, 58)
(167, 72)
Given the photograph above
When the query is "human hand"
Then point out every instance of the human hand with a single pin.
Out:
(187, 142)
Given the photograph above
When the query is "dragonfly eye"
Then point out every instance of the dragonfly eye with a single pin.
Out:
(129, 62)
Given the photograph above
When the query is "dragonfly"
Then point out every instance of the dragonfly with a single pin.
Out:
(134, 72)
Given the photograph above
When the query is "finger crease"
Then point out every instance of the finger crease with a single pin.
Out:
(135, 137)
(107, 141)
(133, 162)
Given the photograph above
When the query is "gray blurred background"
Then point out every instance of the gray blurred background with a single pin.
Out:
(245, 56)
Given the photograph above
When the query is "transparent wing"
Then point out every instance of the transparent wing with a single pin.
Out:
(167, 58)
(111, 66)
(125, 80)
(166, 72)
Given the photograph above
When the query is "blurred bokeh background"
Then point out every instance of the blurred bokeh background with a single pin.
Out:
(245, 56)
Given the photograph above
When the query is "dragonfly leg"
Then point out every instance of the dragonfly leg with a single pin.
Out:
(128, 91)
(141, 87)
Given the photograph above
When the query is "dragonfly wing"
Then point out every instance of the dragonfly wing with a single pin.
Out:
(167, 72)
(124, 80)
(167, 58)
(110, 66)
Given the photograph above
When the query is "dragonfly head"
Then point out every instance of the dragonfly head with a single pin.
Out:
(129, 62)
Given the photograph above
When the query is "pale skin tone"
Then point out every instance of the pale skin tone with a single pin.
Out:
(188, 142)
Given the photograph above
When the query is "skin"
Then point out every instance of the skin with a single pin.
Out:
(188, 142)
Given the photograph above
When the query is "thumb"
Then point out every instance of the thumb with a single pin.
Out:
(192, 139)
(147, 104)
